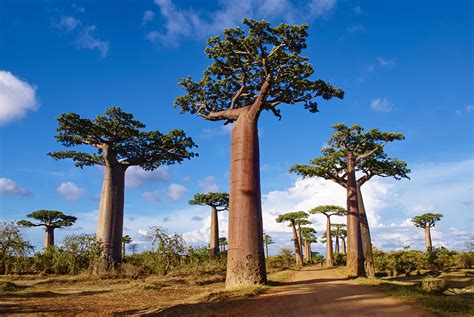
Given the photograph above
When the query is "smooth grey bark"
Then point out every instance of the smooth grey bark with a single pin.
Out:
(366, 238)
(329, 254)
(428, 244)
(48, 237)
(214, 243)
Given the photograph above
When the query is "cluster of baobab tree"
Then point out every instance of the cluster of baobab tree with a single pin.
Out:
(253, 70)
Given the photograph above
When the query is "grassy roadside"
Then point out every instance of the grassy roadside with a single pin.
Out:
(410, 291)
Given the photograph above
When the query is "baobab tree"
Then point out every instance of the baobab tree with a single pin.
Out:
(309, 236)
(427, 221)
(222, 243)
(250, 73)
(328, 211)
(125, 240)
(267, 239)
(217, 202)
(302, 221)
(292, 218)
(342, 235)
(50, 220)
(119, 143)
(337, 227)
(350, 150)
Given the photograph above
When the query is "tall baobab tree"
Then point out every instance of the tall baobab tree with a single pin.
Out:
(267, 239)
(337, 227)
(222, 244)
(349, 149)
(251, 72)
(427, 221)
(50, 220)
(329, 211)
(119, 143)
(302, 221)
(309, 236)
(217, 202)
(125, 240)
(292, 218)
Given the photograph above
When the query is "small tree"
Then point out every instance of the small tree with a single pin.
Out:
(217, 202)
(337, 227)
(302, 221)
(350, 150)
(309, 236)
(12, 245)
(427, 221)
(133, 247)
(292, 218)
(125, 240)
(328, 211)
(342, 236)
(50, 220)
(252, 72)
(120, 143)
(267, 239)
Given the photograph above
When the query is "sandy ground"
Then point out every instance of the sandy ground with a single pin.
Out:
(312, 291)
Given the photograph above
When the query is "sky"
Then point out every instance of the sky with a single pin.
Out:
(405, 66)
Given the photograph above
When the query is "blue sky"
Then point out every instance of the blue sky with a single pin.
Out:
(405, 66)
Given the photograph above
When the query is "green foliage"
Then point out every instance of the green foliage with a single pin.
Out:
(217, 200)
(119, 138)
(309, 234)
(126, 239)
(48, 218)
(292, 217)
(365, 148)
(426, 220)
(267, 239)
(340, 259)
(329, 210)
(243, 62)
(13, 248)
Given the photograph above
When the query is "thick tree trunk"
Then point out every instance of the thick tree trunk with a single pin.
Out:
(110, 224)
(246, 259)
(336, 247)
(299, 258)
(214, 245)
(343, 246)
(309, 254)
(365, 234)
(329, 255)
(429, 246)
(355, 258)
(266, 249)
(123, 249)
(300, 241)
(48, 237)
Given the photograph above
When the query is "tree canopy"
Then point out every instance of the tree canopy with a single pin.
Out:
(292, 217)
(328, 210)
(309, 234)
(48, 218)
(267, 239)
(119, 138)
(218, 200)
(126, 239)
(426, 220)
(262, 64)
(367, 150)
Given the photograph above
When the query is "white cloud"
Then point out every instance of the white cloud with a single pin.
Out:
(355, 28)
(68, 23)
(10, 187)
(70, 191)
(137, 176)
(183, 23)
(152, 196)
(385, 62)
(465, 109)
(148, 16)
(87, 39)
(208, 184)
(381, 104)
(223, 130)
(17, 97)
(176, 191)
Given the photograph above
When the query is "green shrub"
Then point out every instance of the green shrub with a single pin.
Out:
(340, 259)
(433, 285)
(464, 260)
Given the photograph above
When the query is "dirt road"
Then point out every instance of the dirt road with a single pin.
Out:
(310, 292)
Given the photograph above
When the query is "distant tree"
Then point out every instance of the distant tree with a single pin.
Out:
(267, 239)
(222, 243)
(309, 237)
(302, 221)
(252, 72)
(217, 202)
(120, 143)
(427, 221)
(133, 247)
(12, 244)
(50, 220)
(292, 218)
(349, 149)
(337, 227)
(328, 211)
(342, 236)
(125, 240)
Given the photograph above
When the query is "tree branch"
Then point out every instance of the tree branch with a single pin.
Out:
(367, 154)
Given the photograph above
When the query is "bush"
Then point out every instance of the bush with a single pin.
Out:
(433, 285)
(340, 259)
(464, 260)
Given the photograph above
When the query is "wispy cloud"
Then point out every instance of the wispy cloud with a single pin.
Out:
(176, 191)
(137, 176)
(178, 23)
(355, 28)
(17, 98)
(358, 10)
(386, 62)
(70, 191)
(208, 184)
(381, 104)
(465, 109)
(148, 16)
